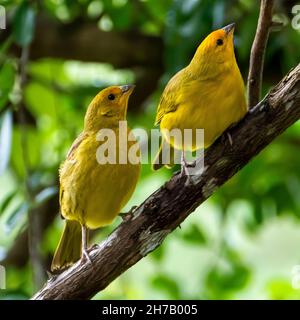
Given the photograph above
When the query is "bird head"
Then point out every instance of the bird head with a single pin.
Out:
(108, 107)
(216, 52)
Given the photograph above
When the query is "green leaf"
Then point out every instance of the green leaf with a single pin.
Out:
(281, 289)
(16, 216)
(4, 46)
(7, 200)
(235, 279)
(228, 276)
(23, 26)
(5, 139)
(194, 235)
(158, 254)
(7, 80)
(166, 283)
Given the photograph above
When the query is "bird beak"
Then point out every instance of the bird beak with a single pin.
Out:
(229, 29)
(126, 92)
(128, 88)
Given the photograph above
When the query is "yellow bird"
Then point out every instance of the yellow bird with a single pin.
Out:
(208, 94)
(92, 193)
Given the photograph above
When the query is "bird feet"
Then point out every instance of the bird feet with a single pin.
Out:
(185, 168)
(128, 215)
(185, 171)
(95, 246)
(85, 257)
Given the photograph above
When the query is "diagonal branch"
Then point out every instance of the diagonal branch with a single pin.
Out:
(258, 52)
(166, 208)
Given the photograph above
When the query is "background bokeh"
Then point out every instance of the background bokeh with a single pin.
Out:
(55, 55)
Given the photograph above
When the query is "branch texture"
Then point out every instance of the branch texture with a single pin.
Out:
(169, 206)
(258, 52)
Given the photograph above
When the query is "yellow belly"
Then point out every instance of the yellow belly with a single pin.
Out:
(94, 193)
(212, 111)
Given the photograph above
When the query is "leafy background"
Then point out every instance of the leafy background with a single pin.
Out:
(242, 243)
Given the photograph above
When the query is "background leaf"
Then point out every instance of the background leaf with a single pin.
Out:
(24, 21)
(7, 80)
(5, 139)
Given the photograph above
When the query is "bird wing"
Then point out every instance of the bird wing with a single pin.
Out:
(75, 145)
(169, 100)
(70, 161)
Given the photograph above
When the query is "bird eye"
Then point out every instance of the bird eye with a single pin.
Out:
(111, 97)
(219, 42)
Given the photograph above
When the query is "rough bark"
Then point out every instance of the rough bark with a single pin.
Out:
(166, 208)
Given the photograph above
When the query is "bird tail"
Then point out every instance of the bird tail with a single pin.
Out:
(68, 250)
(158, 160)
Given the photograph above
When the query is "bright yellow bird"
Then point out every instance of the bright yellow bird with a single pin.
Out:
(208, 94)
(91, 193)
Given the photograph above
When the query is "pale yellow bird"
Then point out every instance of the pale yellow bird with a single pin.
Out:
(92, 194)
(208, 94)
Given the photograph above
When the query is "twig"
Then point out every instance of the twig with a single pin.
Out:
(166, 208)
(258, 52)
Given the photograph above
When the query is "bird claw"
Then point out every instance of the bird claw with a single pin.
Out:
(128, 215)
(185, 173)
(184, 167)
(52, 275)
(189, 181)
(93, 247)
(85, 257)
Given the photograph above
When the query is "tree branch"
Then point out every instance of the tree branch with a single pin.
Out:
(168, 207)
(258, 52)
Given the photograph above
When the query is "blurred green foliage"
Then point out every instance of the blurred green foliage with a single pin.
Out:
(242, 243)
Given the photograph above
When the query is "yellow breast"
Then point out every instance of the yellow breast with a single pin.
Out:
(209, 105)
(94, 193)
